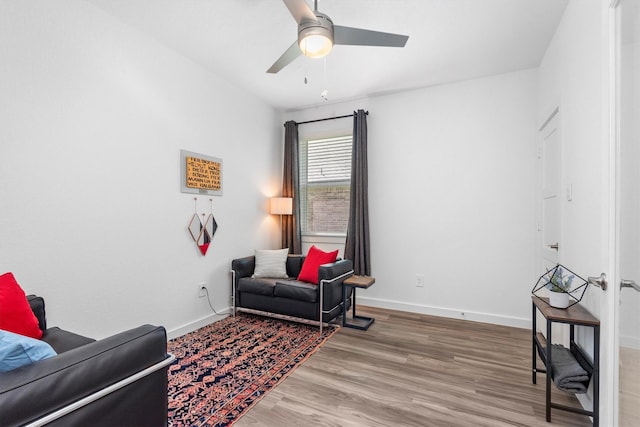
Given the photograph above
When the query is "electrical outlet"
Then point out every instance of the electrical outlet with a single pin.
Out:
(419, 280)
(202, 290)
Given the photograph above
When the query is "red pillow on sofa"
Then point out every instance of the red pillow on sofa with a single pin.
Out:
(315, 258)
(15, 312)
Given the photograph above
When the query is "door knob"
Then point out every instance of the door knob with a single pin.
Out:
(600, 281)
(629, 284)
(554, 246)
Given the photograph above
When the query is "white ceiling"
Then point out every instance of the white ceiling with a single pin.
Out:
(449, 40)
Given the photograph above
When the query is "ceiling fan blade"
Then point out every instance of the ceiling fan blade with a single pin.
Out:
(359, 37)
(300, 10)
(285, 59)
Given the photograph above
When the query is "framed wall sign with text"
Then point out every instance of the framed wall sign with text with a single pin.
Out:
(200, 174)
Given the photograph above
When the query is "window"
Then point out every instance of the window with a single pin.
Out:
(325, 184)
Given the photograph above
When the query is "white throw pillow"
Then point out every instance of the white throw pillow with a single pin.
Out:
(271, 263)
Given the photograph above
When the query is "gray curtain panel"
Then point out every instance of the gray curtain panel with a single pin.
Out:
(291, 235)
(357, 247)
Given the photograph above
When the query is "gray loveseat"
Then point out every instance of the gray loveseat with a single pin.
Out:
(290, 297)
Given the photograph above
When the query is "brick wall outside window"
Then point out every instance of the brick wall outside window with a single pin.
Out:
(328, 207)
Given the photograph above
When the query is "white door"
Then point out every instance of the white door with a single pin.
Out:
(550, 155)
(551, 152)
(628, 191)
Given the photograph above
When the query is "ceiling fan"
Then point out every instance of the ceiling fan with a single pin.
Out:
(317, 35)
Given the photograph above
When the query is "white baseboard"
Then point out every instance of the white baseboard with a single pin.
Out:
(630, 342)
(586, 399)
(391, 305)
(515, 322)
(196, 324)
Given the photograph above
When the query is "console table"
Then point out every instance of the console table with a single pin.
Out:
(572, 316)
(362, 282)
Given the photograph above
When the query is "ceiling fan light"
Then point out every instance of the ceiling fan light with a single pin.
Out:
(316, 45)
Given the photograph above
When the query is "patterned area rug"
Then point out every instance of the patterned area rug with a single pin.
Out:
(225, 368)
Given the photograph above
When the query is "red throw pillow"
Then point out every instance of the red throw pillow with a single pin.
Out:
(15, 312)
(315, 258)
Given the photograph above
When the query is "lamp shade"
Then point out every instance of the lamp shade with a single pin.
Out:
(281, 205)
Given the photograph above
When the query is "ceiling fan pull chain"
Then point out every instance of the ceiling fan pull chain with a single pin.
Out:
(326, 90)
(325, 70)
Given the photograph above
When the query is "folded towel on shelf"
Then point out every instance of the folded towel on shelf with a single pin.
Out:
(567, 373)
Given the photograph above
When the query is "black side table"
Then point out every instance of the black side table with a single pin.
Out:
(355, 282)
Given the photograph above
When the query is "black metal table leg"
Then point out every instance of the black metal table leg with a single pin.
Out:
(596, 376)
(344, 304)
(358, 322)
(533, 345)
(548, 376)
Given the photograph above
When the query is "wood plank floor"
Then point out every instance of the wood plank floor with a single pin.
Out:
(415, 370)
(629, 387)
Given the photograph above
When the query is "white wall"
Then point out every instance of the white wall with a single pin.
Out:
(451, 173)
(571, 79)
(93, 115)
(629, 193)
(572, 76)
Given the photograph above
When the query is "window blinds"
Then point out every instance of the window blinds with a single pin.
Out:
(329, 159)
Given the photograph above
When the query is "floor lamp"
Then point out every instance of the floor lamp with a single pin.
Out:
(281, 206)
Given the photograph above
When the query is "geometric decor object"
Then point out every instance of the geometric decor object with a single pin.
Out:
(202, 231)
(560, 280)
(199, 233)
(195, 227)
(210, 225)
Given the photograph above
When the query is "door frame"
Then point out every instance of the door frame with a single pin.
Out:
(610, 310)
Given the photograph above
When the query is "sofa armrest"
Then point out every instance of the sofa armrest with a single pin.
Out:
(243, 267)
(335, 269)
(332, 291)
(37, 306)
(31, 392)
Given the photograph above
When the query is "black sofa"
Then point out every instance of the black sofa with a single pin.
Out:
(290, 298)
(117, 381)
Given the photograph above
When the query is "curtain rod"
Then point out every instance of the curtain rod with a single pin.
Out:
(330, 118)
